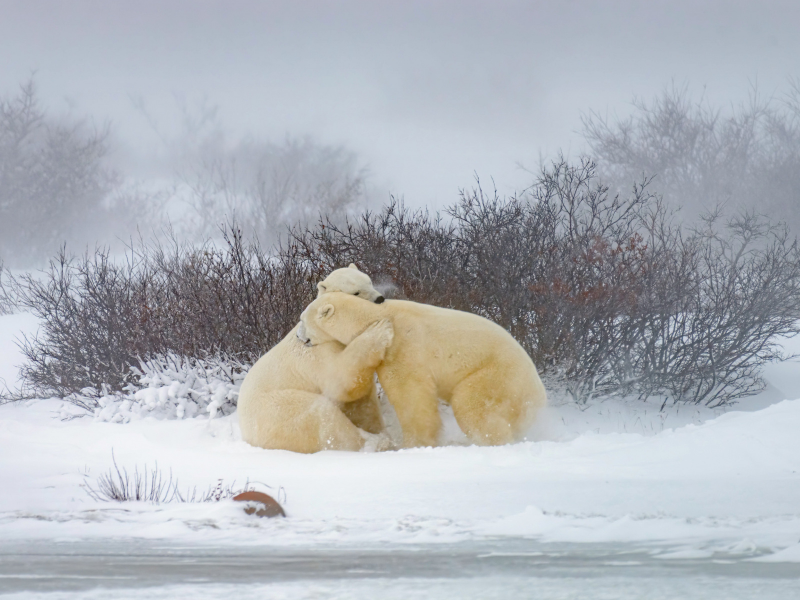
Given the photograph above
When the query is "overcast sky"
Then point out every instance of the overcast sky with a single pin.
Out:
(426, 92)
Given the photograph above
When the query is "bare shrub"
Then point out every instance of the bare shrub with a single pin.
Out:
(153, 486)
(53, 178)
(702, 157)
(7, 302)
(268, 187)
(712, 315)
(606, 292)
(100, 318)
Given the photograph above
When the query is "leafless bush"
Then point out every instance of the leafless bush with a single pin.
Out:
(702, 157)
(268, 187)
(100, 318)
(711, 316)
(7, 303)
(556, 266)
(605, 292)
(53, 179)
(153, 486)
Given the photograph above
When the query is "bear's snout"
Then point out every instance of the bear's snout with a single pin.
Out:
(301, 335)
(379, 299)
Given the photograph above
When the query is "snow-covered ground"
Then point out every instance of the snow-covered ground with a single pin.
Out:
(688, 486)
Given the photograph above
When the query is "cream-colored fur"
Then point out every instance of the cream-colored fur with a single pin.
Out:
(350, 281)
(322, 397)
(466, 360)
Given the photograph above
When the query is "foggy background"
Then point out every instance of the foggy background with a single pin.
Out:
(411, 99)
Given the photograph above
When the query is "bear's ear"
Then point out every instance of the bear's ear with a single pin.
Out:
(325, 312)
(352, 266)
(321, 287)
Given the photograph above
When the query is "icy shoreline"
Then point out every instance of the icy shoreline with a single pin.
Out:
(494, 569)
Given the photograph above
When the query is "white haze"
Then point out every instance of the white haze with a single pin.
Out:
(427, 93)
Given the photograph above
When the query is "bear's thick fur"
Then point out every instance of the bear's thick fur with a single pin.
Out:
(350, 281)
(468, 361)
(323, 397)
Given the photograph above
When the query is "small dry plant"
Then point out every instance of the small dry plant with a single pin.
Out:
(153, 486)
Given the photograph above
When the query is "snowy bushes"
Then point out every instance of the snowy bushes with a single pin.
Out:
(101, 318)
(606, 293)
(169, 387)
(711, 311)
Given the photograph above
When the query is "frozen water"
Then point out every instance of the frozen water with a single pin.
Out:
(506, 569)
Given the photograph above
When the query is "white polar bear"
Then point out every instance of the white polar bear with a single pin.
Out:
(350, 281)
(473, 364)
(311, 399)
(307, 399)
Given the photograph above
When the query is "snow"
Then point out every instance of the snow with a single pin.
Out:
(484, 588)
(790, 554)
(683, 484)
(172, 387)
(733, 478)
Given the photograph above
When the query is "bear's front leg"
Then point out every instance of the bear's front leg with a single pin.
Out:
(349, 375)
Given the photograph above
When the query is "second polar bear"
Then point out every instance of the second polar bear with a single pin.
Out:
(473, 364)
(350, 281)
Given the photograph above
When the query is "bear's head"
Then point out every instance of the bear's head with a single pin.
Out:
(335, 316)
(350, 281)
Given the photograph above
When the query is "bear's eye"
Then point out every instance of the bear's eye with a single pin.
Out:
(357, 293)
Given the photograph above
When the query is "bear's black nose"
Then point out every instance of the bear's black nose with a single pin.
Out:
(379, 299)
(301, 335)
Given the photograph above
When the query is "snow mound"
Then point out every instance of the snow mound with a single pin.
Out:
(726, 487)
(169, 387)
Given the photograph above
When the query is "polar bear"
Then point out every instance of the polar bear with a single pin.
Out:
(466, 360)
(310, 399)
(350, 281)
(307, 399)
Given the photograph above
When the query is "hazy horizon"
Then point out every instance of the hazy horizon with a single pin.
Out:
(427, 93)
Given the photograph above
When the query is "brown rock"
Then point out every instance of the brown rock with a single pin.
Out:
(269, 506)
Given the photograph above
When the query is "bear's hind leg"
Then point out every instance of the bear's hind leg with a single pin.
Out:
(298, 421)
(488, 413)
